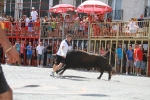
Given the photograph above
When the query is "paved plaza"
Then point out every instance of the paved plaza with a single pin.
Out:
(32, 83)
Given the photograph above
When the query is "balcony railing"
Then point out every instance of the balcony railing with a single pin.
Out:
(116, 14)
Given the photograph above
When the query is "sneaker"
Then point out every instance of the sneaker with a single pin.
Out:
(126, 73)
(52, 74)
(41, 66)
(38, 66)
(131, 73)
(137, 74)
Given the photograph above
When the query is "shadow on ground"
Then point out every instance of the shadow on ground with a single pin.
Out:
(75, 78)
(32, 86)
(95, 95)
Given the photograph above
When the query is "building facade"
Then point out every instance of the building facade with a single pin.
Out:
(123, 10)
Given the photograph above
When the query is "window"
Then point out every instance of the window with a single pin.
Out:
(78, 2)
(26, 7)
(41, 8)
(44, 8)
(116, 14)
(10, 7)
(55, 2)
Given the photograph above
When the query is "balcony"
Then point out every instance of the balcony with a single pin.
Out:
(116, 15)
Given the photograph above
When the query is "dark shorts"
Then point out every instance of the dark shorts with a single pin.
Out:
(53, 29)
(40, 57)
(21, 55)
(4, 87)
(59, 59)
(29, 57)
(35, 57)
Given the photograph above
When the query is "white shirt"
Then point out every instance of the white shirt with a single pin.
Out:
(63, 48)
(34, 15)
(39, 49)
(27, 21)
(115, 27)
(131, 25)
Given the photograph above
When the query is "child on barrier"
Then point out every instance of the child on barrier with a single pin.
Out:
(49, 29)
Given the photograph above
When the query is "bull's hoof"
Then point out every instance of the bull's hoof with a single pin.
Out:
(98, 78)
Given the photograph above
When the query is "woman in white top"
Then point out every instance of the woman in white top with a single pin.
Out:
(131, 26)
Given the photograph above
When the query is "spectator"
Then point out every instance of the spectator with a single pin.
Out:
(141, 23)
(27, 21)
(49, 54)
(144, 62)
(34, 54)
(37, 26)
(22, 47)
(23, 20)
(102, 51)
(119, 57)
(17, 45)
(3, 17)
(12, 20)
(131, 26)
(1, 52)
(135, 53)
(34, 14)
(39, 49)
(129, 62)
(139, 59)
(30, 25)
(29, 54)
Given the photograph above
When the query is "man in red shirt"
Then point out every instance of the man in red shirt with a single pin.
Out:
(139, 59)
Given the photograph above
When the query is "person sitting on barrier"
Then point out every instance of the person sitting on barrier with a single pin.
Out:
(30, 26)
(131, 25)
(49, 30)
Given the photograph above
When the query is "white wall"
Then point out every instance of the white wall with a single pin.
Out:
(133, 8)
(67, 2)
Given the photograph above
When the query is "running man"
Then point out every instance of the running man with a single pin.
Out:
(61, 54)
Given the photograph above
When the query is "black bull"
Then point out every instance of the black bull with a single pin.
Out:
(81, 59)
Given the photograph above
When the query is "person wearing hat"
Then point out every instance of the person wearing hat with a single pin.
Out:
(34, 14)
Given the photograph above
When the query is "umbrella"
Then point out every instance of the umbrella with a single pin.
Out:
(94, 6)
(62, 8)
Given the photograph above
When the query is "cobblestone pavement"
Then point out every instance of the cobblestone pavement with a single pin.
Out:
(35, 84)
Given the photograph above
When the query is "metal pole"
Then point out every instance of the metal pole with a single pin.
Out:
(94, 45)
(40, 9)
(89, 36)
(63, 32)
(122, 56)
